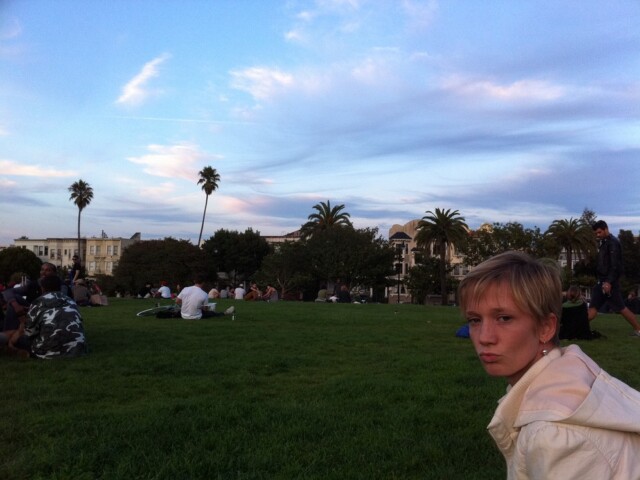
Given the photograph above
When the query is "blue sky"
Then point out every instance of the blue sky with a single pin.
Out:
(503, 110)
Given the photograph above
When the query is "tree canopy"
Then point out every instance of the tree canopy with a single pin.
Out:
(324, 218)
(209, 179)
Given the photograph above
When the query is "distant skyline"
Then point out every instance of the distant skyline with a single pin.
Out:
(505, 111)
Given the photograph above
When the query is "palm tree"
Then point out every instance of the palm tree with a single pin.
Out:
(326, 217)
(575, 236)
(81, 194)
(439, 230)
(209, 179)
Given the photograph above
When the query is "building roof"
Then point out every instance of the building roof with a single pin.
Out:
(399, 236)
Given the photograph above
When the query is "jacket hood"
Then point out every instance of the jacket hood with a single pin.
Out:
(55, 299)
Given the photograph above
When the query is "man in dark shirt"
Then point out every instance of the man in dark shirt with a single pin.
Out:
(608, 272)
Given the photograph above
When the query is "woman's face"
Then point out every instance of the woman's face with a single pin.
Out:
(507, 340)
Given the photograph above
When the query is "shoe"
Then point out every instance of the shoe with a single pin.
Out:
(232, 309)
(635, 334)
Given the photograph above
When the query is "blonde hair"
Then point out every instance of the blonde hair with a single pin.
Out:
(535, 285)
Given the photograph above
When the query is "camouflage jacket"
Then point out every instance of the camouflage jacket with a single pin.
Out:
(54, 326)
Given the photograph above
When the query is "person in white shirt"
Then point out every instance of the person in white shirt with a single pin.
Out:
(164, 291)
(193, 302)
(239, 293)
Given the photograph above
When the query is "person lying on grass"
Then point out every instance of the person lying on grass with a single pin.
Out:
(53, 327)
(562, 416)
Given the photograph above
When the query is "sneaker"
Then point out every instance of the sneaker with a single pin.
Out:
(635, 334)
(232, 309)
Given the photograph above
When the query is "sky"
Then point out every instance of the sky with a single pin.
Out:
(506, 111)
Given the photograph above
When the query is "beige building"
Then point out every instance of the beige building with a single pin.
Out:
(99, 254)
(402, 239)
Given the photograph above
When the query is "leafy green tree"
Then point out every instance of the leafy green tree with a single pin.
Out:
(325, 217)
(287, 267)
(81, 194)
(176, 261)
(352, 256)
(575, 237)
(441, 230)
(209, 179)
(16, 259)
(630, 257)
(588, 216)
(424, 279)
(239, 255)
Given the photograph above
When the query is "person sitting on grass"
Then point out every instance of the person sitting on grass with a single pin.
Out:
(81, 294)
(270, 294)
(53, 326)
(193, 304)
(164, 291)
(254, 293)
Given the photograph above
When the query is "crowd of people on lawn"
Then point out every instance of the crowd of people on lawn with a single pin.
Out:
(562, 415)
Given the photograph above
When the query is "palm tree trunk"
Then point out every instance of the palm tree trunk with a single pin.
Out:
(206, 200)
(443, 274)
(79, 252)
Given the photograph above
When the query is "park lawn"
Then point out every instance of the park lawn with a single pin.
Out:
(288, 390)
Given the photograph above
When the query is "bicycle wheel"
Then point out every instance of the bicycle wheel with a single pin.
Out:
(152, 311)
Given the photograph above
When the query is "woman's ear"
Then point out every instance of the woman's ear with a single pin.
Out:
(548, 327)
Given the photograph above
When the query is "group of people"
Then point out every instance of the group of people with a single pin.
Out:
(41, 320)
(270, 294)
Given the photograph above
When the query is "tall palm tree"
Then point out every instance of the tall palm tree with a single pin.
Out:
(575, 236)
(325, 217)
(81, 194)
(442, 229)
(209, 179)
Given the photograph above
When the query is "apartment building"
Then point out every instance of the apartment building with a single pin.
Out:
(100, 254)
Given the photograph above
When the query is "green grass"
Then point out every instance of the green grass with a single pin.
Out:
(286, 391)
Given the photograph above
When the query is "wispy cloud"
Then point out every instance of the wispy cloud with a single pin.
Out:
(174, 161)
(514, 91)
(261, 82)
(8, 167)
(136, 90)
(10, 28)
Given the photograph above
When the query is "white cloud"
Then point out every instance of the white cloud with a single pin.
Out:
(8, 167)
(261, 82)
(135, 91)
(10, 28)
(5, 183)
(174, 161)
(515, 91)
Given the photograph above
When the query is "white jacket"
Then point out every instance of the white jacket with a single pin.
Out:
(565, 419)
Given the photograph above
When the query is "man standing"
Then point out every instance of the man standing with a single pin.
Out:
(608, 272)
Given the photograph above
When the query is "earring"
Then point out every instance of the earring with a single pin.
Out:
(544, 350)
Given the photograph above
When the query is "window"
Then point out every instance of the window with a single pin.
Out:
(97, 249)
(109, 250)
(109, 267)
(46, 250)
(92, 266)
(92, 250)
(115, 250)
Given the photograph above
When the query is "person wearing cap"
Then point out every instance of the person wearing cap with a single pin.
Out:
(164, 291)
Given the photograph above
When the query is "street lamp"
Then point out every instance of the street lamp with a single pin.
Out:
(399, 251)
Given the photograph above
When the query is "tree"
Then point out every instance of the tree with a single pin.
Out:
(209, 179)
(441, 230)
(324, 218)
(574, 236)
(588, 216)
(16, 259)
(353, 256)
(237, 254)
(287, 267)
(176, 261)
(81, 194)
(423, 279)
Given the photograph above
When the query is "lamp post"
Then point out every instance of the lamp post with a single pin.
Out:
(399, 251)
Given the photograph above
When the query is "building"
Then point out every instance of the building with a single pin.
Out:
(100, 254)
(103, 253)
(275, 240)
(402, 239)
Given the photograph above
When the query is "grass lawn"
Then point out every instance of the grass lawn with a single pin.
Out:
(286, 391)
